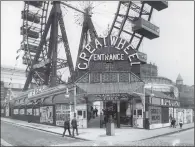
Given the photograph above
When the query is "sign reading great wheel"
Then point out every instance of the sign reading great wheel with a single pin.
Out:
(110, 48)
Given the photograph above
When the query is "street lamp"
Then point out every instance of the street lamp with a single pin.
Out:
(67, 95)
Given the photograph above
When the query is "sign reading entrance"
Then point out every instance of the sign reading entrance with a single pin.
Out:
(110, 48)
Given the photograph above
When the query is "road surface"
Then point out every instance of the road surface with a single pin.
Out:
(185, 138)
(23, 136)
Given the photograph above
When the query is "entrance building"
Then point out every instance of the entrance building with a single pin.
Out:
(105, 81)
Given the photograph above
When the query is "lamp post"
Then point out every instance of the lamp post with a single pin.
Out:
(67, 95)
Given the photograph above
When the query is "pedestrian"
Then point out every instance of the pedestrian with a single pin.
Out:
(105, 120)
(74, 126)
(29, 118)
(66, 126)
(101, 120)
(93, 113)
(96, 112)
(174, 123)
(180, 123)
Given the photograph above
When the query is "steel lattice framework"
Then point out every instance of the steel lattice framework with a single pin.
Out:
(41, 55)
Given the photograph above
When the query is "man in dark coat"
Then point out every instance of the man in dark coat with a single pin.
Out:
(74, 126)
(66, 126)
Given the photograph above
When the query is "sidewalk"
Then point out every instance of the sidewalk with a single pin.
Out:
(98, 136)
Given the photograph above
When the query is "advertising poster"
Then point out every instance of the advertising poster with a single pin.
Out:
(155, 115)
(2, 110)
(36, 112)
(16, 111)
(188, 116)
(21, 111)
(46, 113)
(29, 111)
(7, 111)
(62, 112)
(180, 115)
(170, 114)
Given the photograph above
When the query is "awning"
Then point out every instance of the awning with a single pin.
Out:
(107, 88)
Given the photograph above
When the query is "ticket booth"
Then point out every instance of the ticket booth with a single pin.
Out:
(82, 115)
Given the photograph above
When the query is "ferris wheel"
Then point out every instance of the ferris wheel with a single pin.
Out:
(43, 31)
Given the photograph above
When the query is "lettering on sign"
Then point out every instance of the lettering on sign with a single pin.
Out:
(36, 91)
(110, 97)
(122, 50)
(155, 113)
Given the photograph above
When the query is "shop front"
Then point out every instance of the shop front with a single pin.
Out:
(161, 109)
(124, 101)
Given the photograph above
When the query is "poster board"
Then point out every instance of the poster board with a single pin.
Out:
(15, 111)
(155, 114)
(29, 111)
(2, 111)
(7, 111)
(62, 112)
(46, 114)
(21, 111)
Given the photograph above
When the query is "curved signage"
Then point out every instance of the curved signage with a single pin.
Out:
(110, 48)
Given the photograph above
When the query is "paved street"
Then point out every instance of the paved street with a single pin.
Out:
(23, 136)
(185, 138)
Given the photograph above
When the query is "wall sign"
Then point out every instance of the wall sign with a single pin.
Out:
(111, 97)
(155, 115)
(36, 91)
(122, 51)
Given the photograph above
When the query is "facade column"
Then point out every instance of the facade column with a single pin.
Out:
(74, 100)
(118, 114)
(146, 114)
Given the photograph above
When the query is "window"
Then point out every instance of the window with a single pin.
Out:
(79, 113)
(84, 114)
(156, 101)
(95, 78)
(109, 77)
(139, 112)
(123, 77)
(134, 112)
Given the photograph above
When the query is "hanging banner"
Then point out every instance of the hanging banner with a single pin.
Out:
(46, 114)
(62, 112)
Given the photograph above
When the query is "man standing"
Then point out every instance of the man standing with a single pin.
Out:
(74, 125)
(66, 126)
(96, 112)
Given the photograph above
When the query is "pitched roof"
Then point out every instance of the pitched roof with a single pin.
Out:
(179, 78)
(157, 94)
